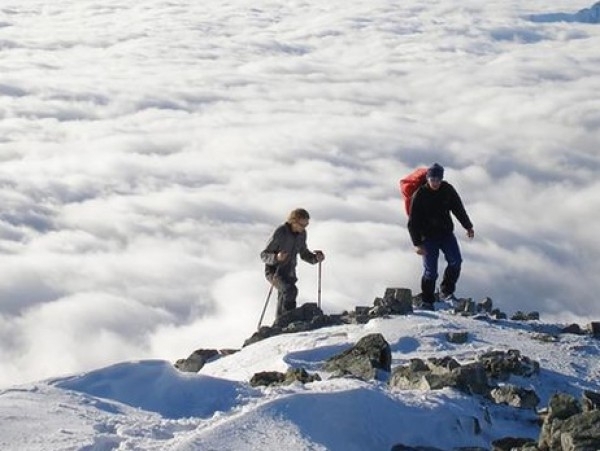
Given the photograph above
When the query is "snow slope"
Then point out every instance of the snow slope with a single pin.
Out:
(148, 405)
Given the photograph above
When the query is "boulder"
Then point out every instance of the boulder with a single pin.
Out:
(371, 353)
(514, 396)
(500, 365)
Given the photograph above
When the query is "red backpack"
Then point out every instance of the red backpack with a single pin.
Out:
(410, 184)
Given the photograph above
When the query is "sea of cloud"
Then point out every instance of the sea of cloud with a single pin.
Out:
(148, 149)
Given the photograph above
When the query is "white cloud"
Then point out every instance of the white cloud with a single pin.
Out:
(148, 150)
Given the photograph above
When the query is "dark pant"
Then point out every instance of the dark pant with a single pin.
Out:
(449, 247)
(286, 292)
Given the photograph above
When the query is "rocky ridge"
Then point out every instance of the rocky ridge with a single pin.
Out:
(565, 423)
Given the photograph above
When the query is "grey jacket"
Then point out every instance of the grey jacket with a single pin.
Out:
(284, 239)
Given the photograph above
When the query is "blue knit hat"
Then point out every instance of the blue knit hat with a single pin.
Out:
(436, 171)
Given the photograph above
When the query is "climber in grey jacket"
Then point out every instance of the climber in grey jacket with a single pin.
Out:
(280, 258)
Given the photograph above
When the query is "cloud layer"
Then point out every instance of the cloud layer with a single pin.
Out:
(148, 150)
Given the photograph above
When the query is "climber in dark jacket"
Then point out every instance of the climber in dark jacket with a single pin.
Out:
(280, 258)
(432, 230)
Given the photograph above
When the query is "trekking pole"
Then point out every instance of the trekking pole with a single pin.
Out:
(265, 307)
(319, 288)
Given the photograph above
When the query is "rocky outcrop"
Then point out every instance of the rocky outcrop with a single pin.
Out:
(306, 317)
(430, 375)
(566, 424)
(472, 378)
(199, 358)
(568, 427)
(396, 301)
(370, 354)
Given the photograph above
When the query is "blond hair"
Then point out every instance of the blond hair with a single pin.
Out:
(298, 214)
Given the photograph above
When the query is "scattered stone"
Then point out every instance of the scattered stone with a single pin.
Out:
(500, 365)
(196, 360)
(486, 305)
(269, 378)
(306, 317)
(594, 329)
(304, 314)
(457, 337)
(363, 311)
(546, 338)
(497, 314)
(465, 307)
(573, 329)
(521, 316)
(371, 353)
(396, 301)
(533, 316)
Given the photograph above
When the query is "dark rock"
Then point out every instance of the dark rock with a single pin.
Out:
(472, 378)
(519, 316)
(573, 329)
(486, 305)
(457, 337)
(562, 406)
(498, 314)
(305, 313)
(594, 328)
(396, 301)
(306, 317)
(363, 360)
(362, 311)
(268, 378)
(300, 375)
(533, 316)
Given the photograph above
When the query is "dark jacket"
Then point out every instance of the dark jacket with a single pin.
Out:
(284, 239)
(430, 213)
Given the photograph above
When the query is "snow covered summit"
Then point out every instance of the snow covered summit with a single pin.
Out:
(150, 405)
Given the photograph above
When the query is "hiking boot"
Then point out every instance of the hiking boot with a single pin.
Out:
(427, 306)
(448, 297)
